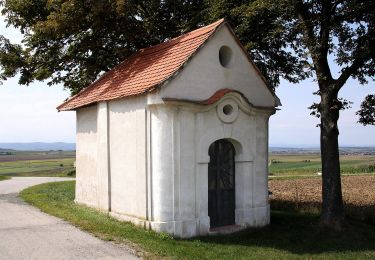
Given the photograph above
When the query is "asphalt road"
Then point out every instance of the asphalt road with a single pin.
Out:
(28, 233)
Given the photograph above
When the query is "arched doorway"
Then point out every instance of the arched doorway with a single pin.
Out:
(221, 184)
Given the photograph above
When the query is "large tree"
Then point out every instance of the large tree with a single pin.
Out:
(74, 41)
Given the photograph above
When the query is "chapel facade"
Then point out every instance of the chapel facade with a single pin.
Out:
(175, 138)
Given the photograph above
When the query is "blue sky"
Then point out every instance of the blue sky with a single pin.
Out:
(28, 113)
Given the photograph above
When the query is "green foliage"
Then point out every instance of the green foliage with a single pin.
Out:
(367, 111)
(290, 235)
(75, 41)
(71, 173)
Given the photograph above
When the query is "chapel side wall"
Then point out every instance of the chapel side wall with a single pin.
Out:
(262, 213)
(127, 151)
(162, 167)
(86, 157)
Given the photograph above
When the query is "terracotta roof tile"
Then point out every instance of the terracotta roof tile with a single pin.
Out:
(143, 71)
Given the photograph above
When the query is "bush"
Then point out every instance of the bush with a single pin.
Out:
(71, 173)
(276, 161)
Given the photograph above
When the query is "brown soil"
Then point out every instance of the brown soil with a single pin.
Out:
(305, 195)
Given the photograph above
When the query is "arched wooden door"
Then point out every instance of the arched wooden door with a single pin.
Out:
(221, 185)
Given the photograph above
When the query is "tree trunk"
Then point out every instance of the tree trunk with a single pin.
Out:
(332, 209)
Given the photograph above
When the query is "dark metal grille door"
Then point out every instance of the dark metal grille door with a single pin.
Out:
(221, 186)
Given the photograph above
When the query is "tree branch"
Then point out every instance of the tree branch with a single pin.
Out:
(317, 47)
(348, 71)
(304, 15)
(325, 24)
(361, 55)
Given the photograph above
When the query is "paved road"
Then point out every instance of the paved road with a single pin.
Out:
(27, 233)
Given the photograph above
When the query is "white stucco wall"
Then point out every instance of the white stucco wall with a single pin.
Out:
(127, 131)
(86, 157)
(203, 75)
(111, 157)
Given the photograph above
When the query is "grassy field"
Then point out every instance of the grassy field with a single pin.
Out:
(3, 178)
(290, 235)
(58, 163)
(309, 164)
(12, 156)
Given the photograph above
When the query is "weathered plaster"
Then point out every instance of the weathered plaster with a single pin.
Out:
(86, 156)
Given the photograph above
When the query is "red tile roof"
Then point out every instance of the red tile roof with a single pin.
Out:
(143, 71)
(217, 96)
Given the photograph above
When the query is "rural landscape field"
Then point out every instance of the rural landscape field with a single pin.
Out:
(36, 163)
(285, 164)
(306, 163)
(295, 181)
(294, 176)
(295, 186)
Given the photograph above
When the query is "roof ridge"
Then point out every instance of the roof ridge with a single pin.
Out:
(184, 35)
(213, 25)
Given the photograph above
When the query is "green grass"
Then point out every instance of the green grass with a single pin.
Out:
(3, 178)
(290, 236)
(48, 167)
(309, 164)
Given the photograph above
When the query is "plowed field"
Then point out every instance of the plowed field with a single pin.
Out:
(305, 195)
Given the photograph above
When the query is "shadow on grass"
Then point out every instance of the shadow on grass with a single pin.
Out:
(301, 234)
(364, 213)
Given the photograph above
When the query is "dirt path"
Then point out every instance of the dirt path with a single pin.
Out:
(27, 233)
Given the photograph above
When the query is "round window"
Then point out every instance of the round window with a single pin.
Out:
(227, 109)
(225, 56)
